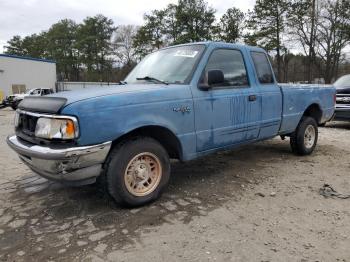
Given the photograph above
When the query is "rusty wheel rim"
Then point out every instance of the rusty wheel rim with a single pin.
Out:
(143, 174)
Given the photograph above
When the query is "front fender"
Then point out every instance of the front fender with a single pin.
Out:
(107, 118)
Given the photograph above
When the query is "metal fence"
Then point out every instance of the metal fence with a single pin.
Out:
(70, 86)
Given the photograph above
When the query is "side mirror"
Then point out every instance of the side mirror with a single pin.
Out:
(214, 77)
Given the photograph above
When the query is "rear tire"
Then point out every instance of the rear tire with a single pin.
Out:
(303, 141)
(137, 171)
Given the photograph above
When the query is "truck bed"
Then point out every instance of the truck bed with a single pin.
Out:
(296, 99)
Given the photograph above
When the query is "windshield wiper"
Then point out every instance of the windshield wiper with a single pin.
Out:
(149, 78)
(122, 83)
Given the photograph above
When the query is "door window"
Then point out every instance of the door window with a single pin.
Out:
(262, 67)
(36, 92)
(231, 63)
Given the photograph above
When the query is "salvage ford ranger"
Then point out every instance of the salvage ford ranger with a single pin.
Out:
(180, 102)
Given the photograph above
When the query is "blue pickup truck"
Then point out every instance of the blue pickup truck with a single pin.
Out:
(180, 102)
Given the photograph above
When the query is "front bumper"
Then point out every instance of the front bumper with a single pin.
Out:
(342, 112)
(5, 102)
(75, 165)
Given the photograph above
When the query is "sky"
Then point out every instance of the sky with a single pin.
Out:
(25, 17)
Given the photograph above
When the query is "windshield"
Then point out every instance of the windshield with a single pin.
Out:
(173, 65)
(343, 82)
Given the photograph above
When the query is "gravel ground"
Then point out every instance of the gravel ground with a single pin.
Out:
(257, 203)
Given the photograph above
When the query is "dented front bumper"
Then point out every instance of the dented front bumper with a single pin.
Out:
(73, 165)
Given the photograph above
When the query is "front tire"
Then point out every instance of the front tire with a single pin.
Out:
(303, 141)
(137, 171)
(14, 104)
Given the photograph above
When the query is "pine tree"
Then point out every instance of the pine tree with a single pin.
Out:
(267, 24)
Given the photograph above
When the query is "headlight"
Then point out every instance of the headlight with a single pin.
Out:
(57, 128)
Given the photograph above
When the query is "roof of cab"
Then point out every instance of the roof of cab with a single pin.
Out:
(223, 44)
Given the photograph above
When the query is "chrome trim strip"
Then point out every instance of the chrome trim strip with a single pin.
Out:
(342, 108)
(74, 119)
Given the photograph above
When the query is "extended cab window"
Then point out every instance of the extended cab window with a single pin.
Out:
(231, 63)
(262, 67)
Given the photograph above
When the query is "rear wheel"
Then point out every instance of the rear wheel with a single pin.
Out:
(137, 171)
(303, 141)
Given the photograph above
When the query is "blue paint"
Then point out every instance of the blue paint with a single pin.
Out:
(218, 119)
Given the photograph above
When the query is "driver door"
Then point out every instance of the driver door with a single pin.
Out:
(227, 113)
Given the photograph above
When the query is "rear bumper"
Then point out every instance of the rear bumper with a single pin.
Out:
(75, 165)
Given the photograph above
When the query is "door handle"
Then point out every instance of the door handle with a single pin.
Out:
(251, 98)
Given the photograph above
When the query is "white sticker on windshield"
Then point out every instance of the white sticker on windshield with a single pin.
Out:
(186, 53)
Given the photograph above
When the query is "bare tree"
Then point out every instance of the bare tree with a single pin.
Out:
(333, 34)
(123, 44)
(302, 24)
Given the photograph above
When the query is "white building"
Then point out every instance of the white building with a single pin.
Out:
(19, 74)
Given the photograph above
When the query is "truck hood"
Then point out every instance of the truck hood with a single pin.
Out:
(19, 96)
(83, 94)
(53, 103)
(345, 90)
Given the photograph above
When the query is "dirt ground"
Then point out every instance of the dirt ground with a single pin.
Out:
(257, 203)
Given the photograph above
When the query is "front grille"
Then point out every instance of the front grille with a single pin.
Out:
(343, 99)
(27, 124)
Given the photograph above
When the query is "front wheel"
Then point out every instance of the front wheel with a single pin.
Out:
(14, 104)
(137, 171)
(303, 141)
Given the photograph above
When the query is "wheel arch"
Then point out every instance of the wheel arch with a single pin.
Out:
(163, 135)
(314, 110)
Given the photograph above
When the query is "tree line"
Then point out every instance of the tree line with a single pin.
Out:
(306, 39)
